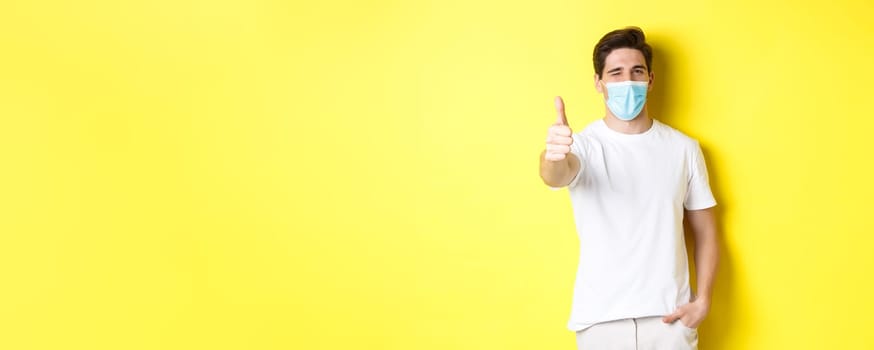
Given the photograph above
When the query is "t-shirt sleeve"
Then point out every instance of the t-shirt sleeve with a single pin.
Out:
(577, 150)
(698, 196)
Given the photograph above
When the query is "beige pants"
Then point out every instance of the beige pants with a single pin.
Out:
(643, 333)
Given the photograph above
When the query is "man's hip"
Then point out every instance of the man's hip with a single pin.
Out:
(641, 333)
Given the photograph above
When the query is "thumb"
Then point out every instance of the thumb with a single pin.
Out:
(559, 108)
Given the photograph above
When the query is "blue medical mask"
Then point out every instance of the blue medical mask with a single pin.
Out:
(626, 99)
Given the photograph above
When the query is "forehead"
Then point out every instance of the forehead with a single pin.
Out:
(624, 57)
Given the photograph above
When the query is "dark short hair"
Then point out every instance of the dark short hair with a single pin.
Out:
(628, 37)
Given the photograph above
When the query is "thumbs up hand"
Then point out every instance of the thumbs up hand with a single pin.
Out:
(558, 139)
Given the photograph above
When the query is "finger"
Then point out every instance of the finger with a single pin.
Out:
(672, 317)
(554, 156)
(559, 108)
(560, 130)
(550, 148)
(559, 140)
(688, 324)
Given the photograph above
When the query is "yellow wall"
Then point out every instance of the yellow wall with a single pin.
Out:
(363, 175)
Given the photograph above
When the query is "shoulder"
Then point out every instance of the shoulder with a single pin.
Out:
(676, 136)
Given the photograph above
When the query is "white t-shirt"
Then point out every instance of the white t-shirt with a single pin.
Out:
(628, 200)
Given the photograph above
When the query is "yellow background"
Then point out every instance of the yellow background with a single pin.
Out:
(363, 175)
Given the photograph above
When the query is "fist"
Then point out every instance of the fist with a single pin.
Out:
(559, 139)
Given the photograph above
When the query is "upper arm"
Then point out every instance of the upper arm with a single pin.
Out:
(575, 167)
(702, 222)
(698, 195)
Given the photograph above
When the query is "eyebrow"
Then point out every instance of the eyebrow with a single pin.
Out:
(620, 68)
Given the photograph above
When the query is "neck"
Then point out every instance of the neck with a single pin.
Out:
(638, 125)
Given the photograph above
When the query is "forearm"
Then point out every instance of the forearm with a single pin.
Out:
(706, 262)
(560, 172)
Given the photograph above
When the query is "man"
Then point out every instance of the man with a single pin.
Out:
(632, 179)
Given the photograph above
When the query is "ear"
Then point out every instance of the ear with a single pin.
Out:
(598, 86)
